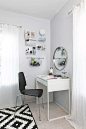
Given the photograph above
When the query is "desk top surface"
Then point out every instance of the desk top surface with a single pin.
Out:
(49, 77)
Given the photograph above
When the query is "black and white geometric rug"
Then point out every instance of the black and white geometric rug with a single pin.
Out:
(23, 118)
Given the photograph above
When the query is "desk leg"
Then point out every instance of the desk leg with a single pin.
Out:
(48, 105)
(69, 103)
(36, 88)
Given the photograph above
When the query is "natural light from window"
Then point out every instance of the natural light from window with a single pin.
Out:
(0, 54)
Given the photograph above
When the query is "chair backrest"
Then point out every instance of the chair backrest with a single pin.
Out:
(22, 81)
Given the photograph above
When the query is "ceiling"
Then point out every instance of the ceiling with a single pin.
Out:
(46, 9)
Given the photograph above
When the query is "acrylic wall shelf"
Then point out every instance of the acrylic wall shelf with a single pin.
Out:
(42, 39)
(41, 49)
(59, 58)
(35, 57)
(35, 65)
(37, 61)
(30, 44)
(27, 39)
(32, 39)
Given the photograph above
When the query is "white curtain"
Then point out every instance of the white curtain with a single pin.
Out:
(9, 66)
(78, 115)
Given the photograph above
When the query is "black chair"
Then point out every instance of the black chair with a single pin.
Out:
(31, 92)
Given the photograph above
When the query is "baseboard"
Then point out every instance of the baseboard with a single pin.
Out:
(61, 106)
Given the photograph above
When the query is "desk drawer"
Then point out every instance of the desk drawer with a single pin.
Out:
(58, 85)
(41, 81)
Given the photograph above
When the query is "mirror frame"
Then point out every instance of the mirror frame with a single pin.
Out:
(54, 58)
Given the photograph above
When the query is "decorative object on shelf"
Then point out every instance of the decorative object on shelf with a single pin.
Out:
(31, 52)
(33, 34)
(64, 73)
(42, 33)
(57, 75)
(60, 58)
(43, 47)
(34, 62)
(30, 35)
(38, 47)
(51, 71)
(27, 41)
(62, 63)
(34, 50)
(27, 34)
(27, 51)
(63, 52)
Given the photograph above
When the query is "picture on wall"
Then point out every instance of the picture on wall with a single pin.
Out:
(30, 34)
(33, 34)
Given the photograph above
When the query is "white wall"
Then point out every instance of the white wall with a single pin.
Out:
(61, 35)
(30, 23)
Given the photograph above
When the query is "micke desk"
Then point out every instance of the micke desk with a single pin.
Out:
(52, 84)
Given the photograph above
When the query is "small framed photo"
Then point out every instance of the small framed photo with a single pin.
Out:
(28, 34)
(33, 34)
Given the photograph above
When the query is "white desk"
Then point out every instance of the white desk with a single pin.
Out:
(57, 84)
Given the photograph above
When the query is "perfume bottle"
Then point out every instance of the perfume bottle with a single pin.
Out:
(51, 71)
(34, 50)
(63, 52)
(62, 63)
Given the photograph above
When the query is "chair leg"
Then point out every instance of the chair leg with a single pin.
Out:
(39, 110)
(23, 99)
(15, 107)
(42, 102)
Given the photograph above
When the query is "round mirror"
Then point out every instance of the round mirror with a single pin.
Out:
(60, 58)
(42, 32)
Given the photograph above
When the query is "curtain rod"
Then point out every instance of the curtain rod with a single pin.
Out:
(12, 25)
(75, 6)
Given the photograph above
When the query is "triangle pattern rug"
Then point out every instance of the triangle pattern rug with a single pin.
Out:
(23, 118)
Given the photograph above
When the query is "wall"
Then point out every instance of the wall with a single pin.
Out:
(30, 23)
(61, 35)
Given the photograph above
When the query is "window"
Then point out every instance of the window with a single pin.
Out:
(0, 53)
(0, 49)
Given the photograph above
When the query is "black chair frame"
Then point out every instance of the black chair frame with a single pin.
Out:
(22, 94)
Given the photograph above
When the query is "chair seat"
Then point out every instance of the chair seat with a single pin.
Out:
(33, 92)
